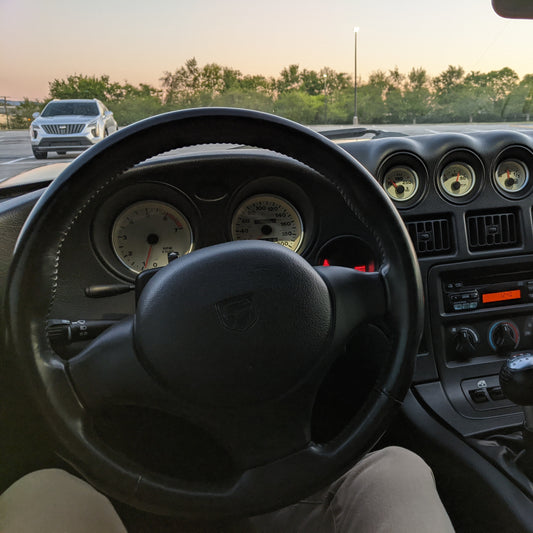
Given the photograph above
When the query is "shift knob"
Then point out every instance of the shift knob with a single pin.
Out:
(516, 378)
(516, 381)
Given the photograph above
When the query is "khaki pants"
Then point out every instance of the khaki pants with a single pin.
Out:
(391, 490)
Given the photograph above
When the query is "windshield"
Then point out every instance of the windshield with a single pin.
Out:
(54, 109)
(343, 63)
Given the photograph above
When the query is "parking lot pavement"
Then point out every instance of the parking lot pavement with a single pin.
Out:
(16, 155)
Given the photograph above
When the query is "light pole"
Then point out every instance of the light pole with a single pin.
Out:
(355, 119)
(325, 76)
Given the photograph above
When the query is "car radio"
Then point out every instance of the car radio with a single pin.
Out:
(465, 296)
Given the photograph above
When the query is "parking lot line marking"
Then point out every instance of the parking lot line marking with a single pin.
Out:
(16, 160)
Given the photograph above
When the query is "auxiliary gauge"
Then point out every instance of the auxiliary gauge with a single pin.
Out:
(401, 183)
(457, 179)
(511, 175)
(267, 217)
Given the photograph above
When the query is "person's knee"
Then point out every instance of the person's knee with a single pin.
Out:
(53, 500)
(392, 466)
(397, 457)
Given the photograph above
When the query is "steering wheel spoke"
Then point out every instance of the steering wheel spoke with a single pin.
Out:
(357, 297)
(108, 372)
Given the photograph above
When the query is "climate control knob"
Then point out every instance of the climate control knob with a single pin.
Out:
(466, 341)
(504, 336)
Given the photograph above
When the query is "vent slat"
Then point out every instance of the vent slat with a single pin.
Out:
(492, 230)
(430, 237)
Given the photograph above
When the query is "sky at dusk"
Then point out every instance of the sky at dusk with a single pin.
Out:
(137, 40)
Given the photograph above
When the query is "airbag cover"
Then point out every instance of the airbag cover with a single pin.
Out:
(249, 334)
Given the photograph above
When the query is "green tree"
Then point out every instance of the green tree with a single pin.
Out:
(416, 94)
(257, 83)
(81, 86)
(245, 98)
(23, 114)
(299, 106)
(183, 86)
(371, 107)
(527, 84)
(289, 79)
(136, 107)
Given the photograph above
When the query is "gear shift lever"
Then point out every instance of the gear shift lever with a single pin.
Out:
(516, 381)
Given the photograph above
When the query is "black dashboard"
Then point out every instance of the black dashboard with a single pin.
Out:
(470, 221)
(466, 201)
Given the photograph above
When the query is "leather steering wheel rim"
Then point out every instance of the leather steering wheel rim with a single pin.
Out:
(32, 285)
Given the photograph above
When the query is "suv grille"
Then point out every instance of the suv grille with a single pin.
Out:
(63, 129)
(431, 237)
(492, 230)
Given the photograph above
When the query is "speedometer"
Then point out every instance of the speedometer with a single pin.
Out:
(146, 232)
(267, 217)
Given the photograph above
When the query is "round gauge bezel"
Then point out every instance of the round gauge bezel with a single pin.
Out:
(120, 198)
(147, 204)
(273, 198)
(524, 157)
(281, 187)
(409, 171)
(474, 165)
(470, 173)
(412, 163)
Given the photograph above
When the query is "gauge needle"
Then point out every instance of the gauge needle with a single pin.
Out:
(394, 184)
(148, 257)
(457, 177)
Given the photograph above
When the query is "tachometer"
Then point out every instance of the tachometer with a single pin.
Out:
(401, 183)
(457, 179)
(146, 232)
(268, 218)
(511, 175)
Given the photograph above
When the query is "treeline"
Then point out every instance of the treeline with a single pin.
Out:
(314, 97)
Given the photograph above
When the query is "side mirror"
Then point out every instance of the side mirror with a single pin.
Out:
(36, 114)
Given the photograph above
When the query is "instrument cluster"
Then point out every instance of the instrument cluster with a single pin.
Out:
(172, 210)
(139, 225)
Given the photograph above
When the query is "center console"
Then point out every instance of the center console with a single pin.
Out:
(480, 313)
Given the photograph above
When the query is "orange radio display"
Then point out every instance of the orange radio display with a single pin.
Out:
(502, 296)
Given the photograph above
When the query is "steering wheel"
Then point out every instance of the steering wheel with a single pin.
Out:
(209, 340)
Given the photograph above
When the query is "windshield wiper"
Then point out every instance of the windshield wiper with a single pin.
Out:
(350, 133)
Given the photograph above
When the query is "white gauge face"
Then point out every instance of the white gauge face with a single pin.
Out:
(458, 179)
(511, 175)
(401, 183)
(268, 218)
(146, 232)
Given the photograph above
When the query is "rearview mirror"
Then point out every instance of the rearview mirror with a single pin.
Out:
(514, 9)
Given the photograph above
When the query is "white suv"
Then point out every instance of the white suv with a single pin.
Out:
(70, 126)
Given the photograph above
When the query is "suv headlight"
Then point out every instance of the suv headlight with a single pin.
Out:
(95, 128)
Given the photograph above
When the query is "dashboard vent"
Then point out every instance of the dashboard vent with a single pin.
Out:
(487, 231)
(431, 237)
